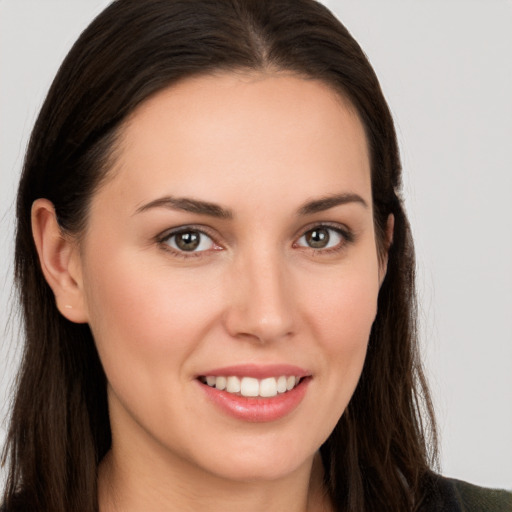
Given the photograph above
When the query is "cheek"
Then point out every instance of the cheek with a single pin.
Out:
(344, 308)
(144, 317)
(348, 338)
(342, 316)
(341, 313)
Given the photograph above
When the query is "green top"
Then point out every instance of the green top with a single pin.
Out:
(472, 498)
(451, 495)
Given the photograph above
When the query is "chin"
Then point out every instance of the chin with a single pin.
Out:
(266, 463)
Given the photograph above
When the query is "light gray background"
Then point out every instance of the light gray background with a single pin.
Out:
(446, 70)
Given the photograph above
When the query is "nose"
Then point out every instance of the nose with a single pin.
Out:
(260, 303)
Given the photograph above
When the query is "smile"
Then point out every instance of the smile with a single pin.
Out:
(250, 386)
(255, 393)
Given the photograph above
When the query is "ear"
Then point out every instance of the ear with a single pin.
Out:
(59, 256)
(388, 241)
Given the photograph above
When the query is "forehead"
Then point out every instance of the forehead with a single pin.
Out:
(243, 132)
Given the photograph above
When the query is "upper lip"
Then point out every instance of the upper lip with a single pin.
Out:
(257, 371)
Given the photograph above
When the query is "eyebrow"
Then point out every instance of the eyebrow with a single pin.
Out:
(214, 210)
(328, 202)
(188, 205)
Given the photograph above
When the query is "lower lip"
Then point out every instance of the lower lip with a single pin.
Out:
(257, 410)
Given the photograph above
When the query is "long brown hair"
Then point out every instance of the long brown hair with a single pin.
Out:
(377, 457)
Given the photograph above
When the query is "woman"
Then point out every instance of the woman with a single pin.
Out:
(217, 274)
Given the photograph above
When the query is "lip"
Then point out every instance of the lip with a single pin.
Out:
(257, 410)
(257, 371)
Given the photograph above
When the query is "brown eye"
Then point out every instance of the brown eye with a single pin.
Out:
(318, 238)
(190, 240)
(323, 237)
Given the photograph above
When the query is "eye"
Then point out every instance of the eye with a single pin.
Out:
(322, 237)
(189, 240)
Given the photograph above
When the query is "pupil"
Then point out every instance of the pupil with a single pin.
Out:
(188, 240)
(318, 238)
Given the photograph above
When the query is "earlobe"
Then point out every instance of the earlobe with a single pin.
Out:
(388, 241)
(60, 261)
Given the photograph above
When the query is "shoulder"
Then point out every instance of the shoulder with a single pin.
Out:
(451, 495)
(479, 499)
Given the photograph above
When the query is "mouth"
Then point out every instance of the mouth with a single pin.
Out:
(256, 393)
(252, 387)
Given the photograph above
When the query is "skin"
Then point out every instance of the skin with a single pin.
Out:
(260, 145)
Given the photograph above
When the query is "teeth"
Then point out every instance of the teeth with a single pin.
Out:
(220, 383)
(290, 383)
(233, 385)
(281, 384)
(268, 387)
(251, 387)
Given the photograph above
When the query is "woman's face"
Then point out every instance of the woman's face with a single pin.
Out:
(233, 245)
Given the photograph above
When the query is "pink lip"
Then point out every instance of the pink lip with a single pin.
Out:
(257, 371)
(257, 410)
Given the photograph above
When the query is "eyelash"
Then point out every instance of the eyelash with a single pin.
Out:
(346, 235)
(163, 240)
(166, 236)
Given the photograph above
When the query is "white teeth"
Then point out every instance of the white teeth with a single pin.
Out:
(251, 387)
(281, 384)
(233, 385)
(220, 382)
(268, 387)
